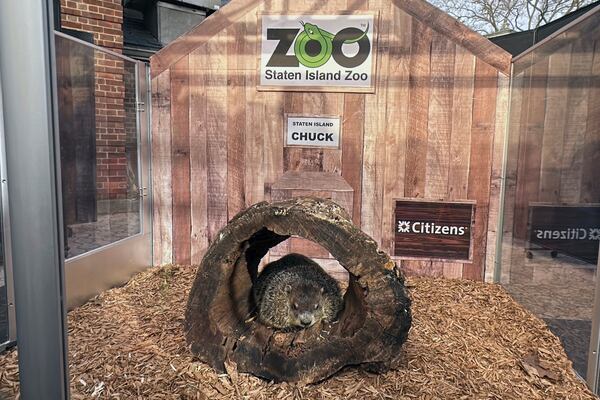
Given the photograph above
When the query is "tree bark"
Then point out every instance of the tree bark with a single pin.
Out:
(370, 330)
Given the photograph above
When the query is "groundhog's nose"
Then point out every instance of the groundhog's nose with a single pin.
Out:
(306, 320)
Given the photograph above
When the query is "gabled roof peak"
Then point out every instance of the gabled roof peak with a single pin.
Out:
(419, 9)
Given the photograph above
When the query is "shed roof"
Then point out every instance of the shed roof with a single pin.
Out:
(519, 42)
(419, 9)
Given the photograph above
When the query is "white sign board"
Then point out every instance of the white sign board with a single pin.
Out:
(317, 52)
(322, 132)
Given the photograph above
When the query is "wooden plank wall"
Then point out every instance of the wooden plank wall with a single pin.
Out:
(433, 129)
(554, 146)
(162, 192)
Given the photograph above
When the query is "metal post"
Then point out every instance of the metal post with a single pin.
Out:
(497, 276)
(593, 374)
(26, 67)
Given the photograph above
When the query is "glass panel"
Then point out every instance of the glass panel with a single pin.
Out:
(552, 203)
(99, 147)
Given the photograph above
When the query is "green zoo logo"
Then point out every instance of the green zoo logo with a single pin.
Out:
(314, 46)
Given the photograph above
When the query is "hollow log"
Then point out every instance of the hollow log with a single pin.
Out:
(369, 332)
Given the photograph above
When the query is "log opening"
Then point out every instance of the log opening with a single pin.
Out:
(369, 331)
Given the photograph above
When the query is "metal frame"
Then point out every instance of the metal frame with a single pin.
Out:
(6, 243)
(593, 374)
(143, 98)
(27, 69)
(497, 268)
(95, 47)
(151, 170)
(93, 272)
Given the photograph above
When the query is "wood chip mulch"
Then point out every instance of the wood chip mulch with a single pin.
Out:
(469, 341)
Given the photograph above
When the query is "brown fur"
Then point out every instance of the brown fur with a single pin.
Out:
(295, 291)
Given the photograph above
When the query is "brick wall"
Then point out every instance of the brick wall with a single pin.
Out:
(104, 19)
(110, 127)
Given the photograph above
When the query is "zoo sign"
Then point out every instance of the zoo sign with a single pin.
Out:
(317, 52)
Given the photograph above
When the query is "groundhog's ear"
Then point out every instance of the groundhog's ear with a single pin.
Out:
(287, 288)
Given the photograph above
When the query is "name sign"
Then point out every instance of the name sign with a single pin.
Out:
(569, 230)
(322, 132)
(433, 230)
(317, 52)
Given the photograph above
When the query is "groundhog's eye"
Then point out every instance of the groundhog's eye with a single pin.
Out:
(316, 306)
(295, 305)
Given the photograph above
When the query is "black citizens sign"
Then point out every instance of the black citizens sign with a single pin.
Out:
(433, 230)
(570, 230)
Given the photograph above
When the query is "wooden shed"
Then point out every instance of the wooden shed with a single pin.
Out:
(430, 127)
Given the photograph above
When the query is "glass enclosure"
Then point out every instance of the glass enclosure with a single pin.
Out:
(99, 146)
(105, 166)
(551, 226)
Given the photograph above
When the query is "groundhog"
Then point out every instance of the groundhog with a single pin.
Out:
(295, 292)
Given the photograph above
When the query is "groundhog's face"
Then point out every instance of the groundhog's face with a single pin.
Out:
(305, 305)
